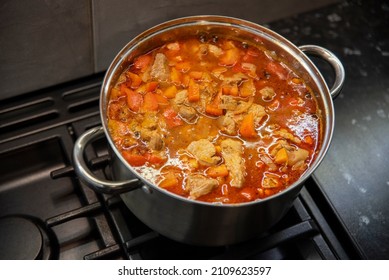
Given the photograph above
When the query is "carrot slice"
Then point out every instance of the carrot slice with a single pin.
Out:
(217, 171)
(170, 92)
(151, 86)
(154, 159)
(142, 62)
(281, 156)
(135, 80)
(197, 75)
(171, 117)
(170, 181)
(247, 127)
(162, 101)
(183, 66)
(213, 107)
(134, 99)
(193, 91)
(150, 102)
(308, 139)
(134, 159)
(212, 110)
(175, 76)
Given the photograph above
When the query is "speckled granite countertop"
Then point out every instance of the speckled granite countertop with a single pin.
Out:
(355, 173)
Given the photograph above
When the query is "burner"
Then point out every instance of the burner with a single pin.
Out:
(25, 238)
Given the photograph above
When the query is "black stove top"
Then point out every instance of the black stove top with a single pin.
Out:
(47, 213)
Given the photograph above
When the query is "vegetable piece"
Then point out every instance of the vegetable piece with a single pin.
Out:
(193, 91)
(197, 75)
(150, 102)
(213, 107)
(170, 92)
(175, 76)
(154, 159)
(134, 99)
(151, 86)
(230, 90)
(134, 159)
(297, 81)
(230, 57)
(247, 128)
(183, 66)
(171, 117)
(217, 171)
(308, 139)
(170, 181)
(135, 80)
(162, 101)
(142, 62)
(116, 93)
(213, 110)
(281, 156)
(185, 80)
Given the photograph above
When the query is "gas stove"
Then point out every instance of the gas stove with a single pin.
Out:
(47, 213)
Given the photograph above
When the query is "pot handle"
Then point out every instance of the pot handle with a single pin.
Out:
(333, 61)
(84, 173)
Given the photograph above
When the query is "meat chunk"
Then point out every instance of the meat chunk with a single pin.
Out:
(268, 161)
(198, 185)
(156, 143)
(149, 132)
(287, 135)
(181, 97)
(227, 124)
(187, 113)
(267, 93)
(204, 151)
(228, 102)
(152, 138)
(232, 152)
(258, 112)
(270, 181)
(160, 68)
(295, 156)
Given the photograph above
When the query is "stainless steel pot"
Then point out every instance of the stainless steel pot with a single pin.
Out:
(197, 222)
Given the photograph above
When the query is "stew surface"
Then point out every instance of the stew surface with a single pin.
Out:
(215, 120)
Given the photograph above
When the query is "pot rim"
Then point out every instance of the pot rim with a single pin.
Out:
(328, 116)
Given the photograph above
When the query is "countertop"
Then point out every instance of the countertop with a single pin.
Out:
(354, 175)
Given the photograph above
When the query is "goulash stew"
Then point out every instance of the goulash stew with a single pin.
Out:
(215, 120)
